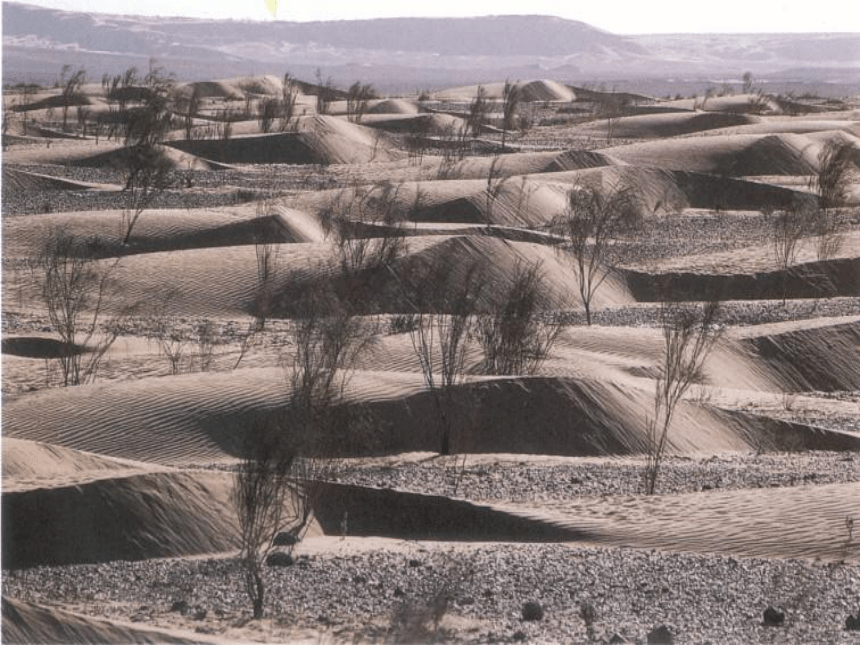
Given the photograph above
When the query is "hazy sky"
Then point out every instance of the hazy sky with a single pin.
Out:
(618, 16)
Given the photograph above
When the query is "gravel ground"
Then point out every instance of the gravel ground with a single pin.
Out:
(701, 598)
(521, 481)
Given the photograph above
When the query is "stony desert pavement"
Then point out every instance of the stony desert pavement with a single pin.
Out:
(119, 521)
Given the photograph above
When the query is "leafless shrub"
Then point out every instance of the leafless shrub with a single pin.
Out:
(511, 97)
(592, 226)
(512, 336)
(289, 454)
(71, 85)
(147, 169)
(325, 93)
(267, 112)
(495, 182)
(267, 255)
(831, 183)
(206, 336)
(358, 97)
(364, 225)
(439, 324)
(478, 110)
(788, 228)
(261, 494)
(689, 333)
(167, 333)
(289, 96)
(76, 291)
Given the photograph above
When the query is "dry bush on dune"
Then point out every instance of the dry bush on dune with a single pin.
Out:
(442, 315)
(71, 85)
(289, 96)
(511, 97)
(788, 228)
(77, 291)
(289, 454)
(591, 228)
(364, 225)
(512, 336)
(689, 333)
(358, 98)
(479, 108)
(145, 128)
(325, 93)
(836, 161)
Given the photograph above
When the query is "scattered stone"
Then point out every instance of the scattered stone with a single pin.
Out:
(773, 617)
(661, 635)
(532, 611)
(279, 559)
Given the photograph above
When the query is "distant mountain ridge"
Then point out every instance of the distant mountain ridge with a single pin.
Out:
(406, 50)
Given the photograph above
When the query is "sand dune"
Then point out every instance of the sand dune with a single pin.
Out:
(393, 106)
(135, 517)
(733, 156)
(25, 622)
(672, 124)
(537, 90)
(165, 230)
(22, 181)
(320, 139)
(30, 464)
(824, 357)
(797, 522)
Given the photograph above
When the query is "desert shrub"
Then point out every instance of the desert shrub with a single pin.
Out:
(77, 292)
(689, 333)
(444, 307)
(289, 454)
(591, 228)
(513, 338)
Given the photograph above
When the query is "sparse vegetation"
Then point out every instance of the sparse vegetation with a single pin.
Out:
(591, 228)
(689, 333)
(81, 301)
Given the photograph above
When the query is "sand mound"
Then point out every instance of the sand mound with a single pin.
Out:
(393, 106)
(427, 125)
(650, 126)
(658, 190)
(734, 156)
(817, 358)
(217, 89)
(118, 159)
(25, 622)
(23, 181)
(412, 516)
(537, 90)
(165, 420)
(125, 518)
(825, 279)
(810, 521)
(164, 230)
(546, 90)
(30, 464)
(320, 140)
